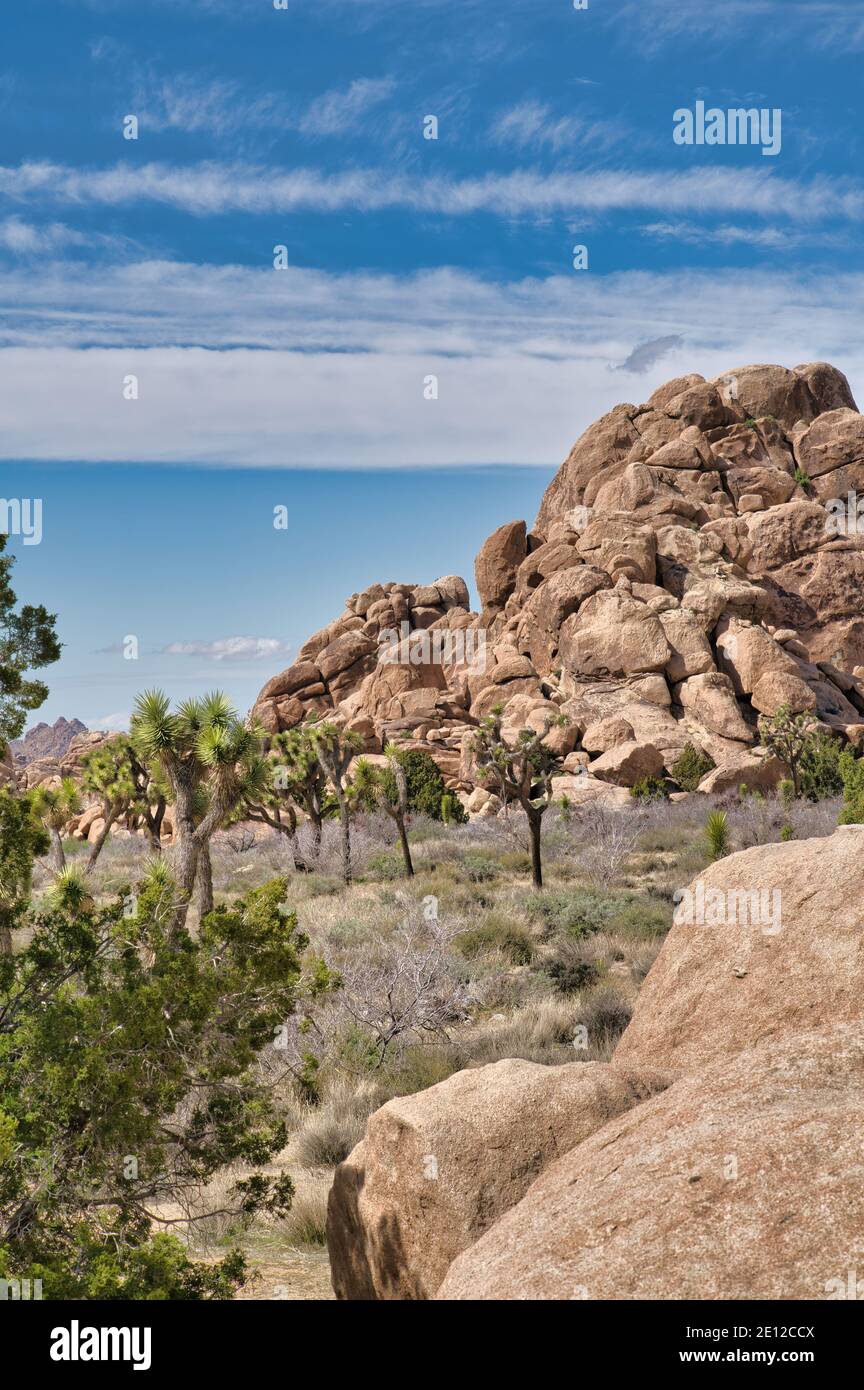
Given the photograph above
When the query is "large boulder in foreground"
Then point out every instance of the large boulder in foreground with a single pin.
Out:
(764, 942)
(742, 1181)
(438, 1168)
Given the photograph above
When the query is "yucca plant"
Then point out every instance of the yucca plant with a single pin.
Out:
(107, 773)
(292, 781)
(54, 806)
(210, 760)
(717, 834)
(387, 788)
(335, 749)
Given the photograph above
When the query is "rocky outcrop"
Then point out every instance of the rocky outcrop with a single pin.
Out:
(693, 567)
(732, 1172)
(437, 1169)
(46, 741)
(764, 942)
(742, 1181)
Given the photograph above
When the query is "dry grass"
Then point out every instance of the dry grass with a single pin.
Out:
(552, 976)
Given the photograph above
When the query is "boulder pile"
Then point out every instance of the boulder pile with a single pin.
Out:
(696, 563)
(719, 1155)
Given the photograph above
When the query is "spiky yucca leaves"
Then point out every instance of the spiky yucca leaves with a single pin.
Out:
(293, 782)
(717, 834)
(108, 774)
(520, 770)
(210, 760)
(129, 1077)
(54, 806)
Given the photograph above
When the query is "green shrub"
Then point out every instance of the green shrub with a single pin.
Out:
(650, 789)
(569, 968)
(820, 770)
(452, 810)
(691, 766)
(479, 868)
(426, 789)
(853, 790)
(575, 912)
(387, 866)
(513, 940)
(803, 479)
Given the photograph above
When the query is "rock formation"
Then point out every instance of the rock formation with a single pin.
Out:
(733, 1172)
(740, 1181)
(437, 1169)
(46, 740)
(694, 564)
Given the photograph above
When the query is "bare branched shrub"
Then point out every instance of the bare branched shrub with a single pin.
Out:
(411, 983)
(605, 840)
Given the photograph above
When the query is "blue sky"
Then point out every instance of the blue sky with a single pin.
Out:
(406, 258)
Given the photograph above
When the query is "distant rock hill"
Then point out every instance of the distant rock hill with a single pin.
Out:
(46, 741)
(697, 561)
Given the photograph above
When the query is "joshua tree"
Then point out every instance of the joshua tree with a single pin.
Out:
(107, 773)
(211, 762)
(519, 770)
(297, 782)
(54, 807)
(789, 735)
(334, 749)
(388, 789)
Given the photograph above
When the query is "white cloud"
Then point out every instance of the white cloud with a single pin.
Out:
(336, 112)
(28, 239)
(218, 107)
(213, 187)
(522, 367)
(823, 23)
(533, 125)
(111, 723)
(229, 648)
(739, 234)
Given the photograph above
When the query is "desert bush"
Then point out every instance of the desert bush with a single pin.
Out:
(332, 1128)
(853, 791)
(512, 939)
(605, 1014)
(690, 767)
(650, 789)
(606, 838)
(569, 967)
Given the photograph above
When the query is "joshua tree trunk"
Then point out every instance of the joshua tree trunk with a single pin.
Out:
(345, 822)
(58, 854)
(406, 850)
(205, 881)
(5, 935)
(316, 822)
(96, 848)
(534, 824)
